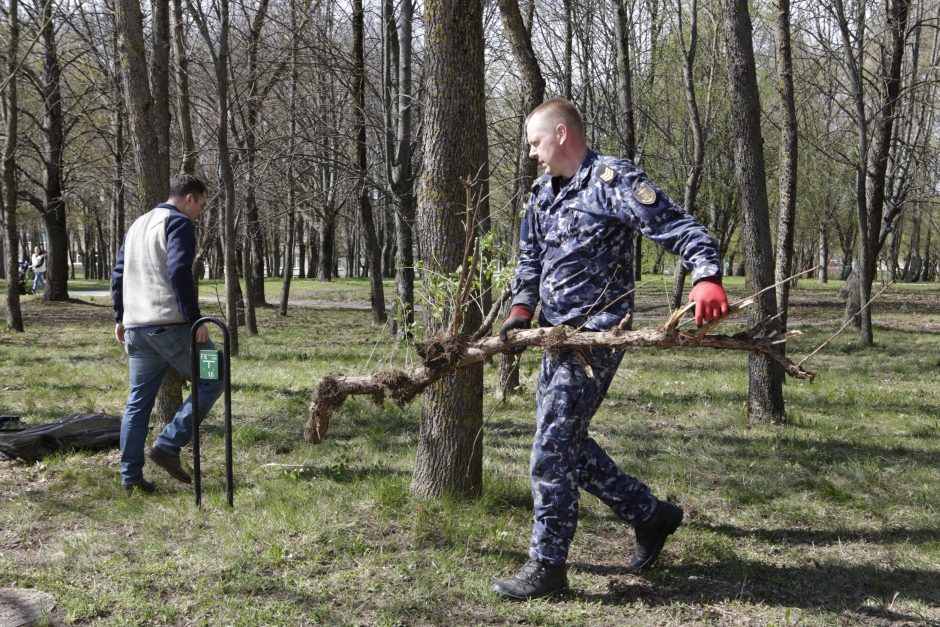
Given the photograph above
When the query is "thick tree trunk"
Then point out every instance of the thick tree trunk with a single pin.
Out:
(53, 135)
(765, 377)
(152, 159)
(14, 317)
(327, 246)
(160, 82)
(449, 458)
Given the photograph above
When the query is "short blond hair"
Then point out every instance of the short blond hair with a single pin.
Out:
(559, 111)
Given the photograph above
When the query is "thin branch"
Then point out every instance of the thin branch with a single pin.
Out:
(845, 326)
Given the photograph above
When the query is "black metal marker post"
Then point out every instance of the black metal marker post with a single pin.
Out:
(226, 373)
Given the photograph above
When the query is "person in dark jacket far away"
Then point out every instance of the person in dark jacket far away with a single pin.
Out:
(576, 260)
(155, 306)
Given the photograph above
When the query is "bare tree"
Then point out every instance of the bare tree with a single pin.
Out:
(786, 215)
(11, 240)
(220, 60)
(400, 149)
(765, 377)
(373, 250)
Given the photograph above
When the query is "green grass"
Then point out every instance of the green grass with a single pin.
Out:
(830, 518)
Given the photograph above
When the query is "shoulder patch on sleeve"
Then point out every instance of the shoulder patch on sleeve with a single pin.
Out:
(644, 193)
(607, 174)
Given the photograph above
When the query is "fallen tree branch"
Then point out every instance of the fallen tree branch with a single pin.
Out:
(442, 357)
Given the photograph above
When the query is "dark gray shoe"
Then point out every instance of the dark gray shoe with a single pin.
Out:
(533, 581)
(651, 537)
(168, 462)
(142, 486)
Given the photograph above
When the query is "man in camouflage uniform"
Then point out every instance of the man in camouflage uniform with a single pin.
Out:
(576, 259)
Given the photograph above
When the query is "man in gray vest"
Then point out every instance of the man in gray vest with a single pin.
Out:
(155, 306)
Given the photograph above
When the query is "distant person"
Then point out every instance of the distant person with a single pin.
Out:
(576, 259)
(39, 269)
(155, 306)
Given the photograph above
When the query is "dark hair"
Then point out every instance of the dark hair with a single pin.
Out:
(186, 184)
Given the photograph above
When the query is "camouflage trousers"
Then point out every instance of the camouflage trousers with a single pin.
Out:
(565, 458)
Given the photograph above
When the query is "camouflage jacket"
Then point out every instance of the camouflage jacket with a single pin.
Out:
(575, 251)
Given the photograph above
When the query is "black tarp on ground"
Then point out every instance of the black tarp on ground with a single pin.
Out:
(77, 431)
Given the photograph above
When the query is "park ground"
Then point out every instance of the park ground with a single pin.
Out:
(828, 519)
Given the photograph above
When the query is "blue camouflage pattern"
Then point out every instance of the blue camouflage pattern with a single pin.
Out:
(565, 458)
(576, 258)
(576, 253)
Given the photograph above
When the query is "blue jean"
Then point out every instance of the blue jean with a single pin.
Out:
(38, 281)
(150, 351)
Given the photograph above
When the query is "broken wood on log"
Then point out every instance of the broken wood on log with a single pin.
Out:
(441, 357)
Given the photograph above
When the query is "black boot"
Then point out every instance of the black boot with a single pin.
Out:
(533, 581)
(651, 537)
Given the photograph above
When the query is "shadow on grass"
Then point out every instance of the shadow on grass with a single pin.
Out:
(833, 587)
(799, 537)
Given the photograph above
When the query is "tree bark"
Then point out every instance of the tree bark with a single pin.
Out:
(694, 179)
(786, 223)
(152, 165)
(520, 37)
(449, 458)
(53, 135)
(220, 61)
(255, 296)
(765, 377)
(291, 184)
(373, 250)
(183, 107)
(14, 317)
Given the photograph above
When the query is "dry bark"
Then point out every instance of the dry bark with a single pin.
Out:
(442, 356)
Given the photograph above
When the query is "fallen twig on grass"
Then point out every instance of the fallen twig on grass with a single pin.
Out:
(441, 357)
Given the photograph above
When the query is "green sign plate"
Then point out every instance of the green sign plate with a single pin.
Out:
(209, 361)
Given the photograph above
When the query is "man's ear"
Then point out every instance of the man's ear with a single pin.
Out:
(561, 132)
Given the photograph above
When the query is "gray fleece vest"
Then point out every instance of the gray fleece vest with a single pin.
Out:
(148, 297)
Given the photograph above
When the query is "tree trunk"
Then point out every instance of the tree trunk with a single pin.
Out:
(823, 273)
(876, 170)
(520, 37)
(14, 317)
(152, 162)
(53, 135)
(693, 181)
(252, 220)
(181, 65)
(117, 189)
(291, 184)
(370, 238)
(449, 458)
(765, 377)
(160, 82)
(788, 163)
(327, 246)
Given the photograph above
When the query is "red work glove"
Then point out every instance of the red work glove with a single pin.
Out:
(520, 317)
(711, 302)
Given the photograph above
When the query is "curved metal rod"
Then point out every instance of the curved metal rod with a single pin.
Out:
(227, 379)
